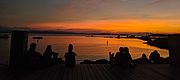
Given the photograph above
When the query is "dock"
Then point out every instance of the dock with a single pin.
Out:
(96, 72)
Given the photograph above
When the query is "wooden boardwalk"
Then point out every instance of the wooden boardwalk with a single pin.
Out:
(96, 72)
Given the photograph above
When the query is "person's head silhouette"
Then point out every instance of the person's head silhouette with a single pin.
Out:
(70, 48)
(121, 49)
(32, 46)
(144, 55)
(126, 50)
(48, 48)
(155, 51)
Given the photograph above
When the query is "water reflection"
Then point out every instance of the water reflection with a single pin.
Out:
(95, 47)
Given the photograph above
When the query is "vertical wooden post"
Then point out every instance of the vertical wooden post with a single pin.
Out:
(174, 49)
(19, 41)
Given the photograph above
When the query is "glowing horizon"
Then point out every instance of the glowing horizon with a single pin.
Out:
(154, 26)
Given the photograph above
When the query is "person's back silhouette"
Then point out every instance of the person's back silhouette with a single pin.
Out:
(70, 56)
(111, 58)
(48, 56)
(144, 59)
(118, 56)
(155, 57)
(34, 57)
(125, 58)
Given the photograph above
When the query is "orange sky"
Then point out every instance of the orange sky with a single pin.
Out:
(129, 25)
(157, 16)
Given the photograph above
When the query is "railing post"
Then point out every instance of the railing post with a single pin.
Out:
(19, 40)
(174, 49)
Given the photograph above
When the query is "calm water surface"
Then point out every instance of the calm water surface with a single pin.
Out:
(91, 48)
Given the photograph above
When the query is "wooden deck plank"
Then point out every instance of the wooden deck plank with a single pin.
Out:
(114, 72)
(121, 73)
(54, 73)
(46, 74)
(76, 73)
(83, 74)
(60, 72)
(144, 72)
(68, 73)
(167, 71)
(107, 72)
(92, 76)
(126, 73)
(86, 72)
(96, 72)
(101, 73)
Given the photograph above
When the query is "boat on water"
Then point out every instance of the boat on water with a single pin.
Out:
(37, 37)
(4, 36)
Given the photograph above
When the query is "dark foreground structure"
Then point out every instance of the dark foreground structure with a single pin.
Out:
(96, 72)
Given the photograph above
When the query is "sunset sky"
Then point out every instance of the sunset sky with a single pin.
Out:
(158, 16)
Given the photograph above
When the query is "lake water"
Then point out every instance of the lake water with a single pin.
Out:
(91, 48)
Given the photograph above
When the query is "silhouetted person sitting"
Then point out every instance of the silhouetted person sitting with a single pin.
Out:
(49, 56)
(125, 58)
(55, 58)
(118, 56)
(33, 57)
(111, 58)
(70, 56)
(155, 57)
(144, 59)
